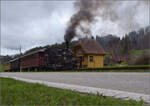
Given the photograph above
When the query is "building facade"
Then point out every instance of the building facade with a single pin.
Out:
(90, 53)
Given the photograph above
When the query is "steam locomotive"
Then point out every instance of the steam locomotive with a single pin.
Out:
(53, 58)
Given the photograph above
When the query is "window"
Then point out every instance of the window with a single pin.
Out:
(79, 52)
(91, 58)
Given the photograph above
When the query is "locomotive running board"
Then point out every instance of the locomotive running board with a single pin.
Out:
(84, 89)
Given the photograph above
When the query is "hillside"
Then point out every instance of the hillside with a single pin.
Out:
(122, 49)
(119, 50)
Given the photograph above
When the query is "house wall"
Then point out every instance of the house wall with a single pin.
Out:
(86, 63)
(97, 61)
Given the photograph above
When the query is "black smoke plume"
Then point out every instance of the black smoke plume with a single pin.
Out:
(89, 10)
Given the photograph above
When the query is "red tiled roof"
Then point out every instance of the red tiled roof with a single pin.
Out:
(90, 46)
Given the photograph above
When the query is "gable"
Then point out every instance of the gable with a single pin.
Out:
(90, 46)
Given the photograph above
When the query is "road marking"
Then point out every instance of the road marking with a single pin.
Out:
(84, 89)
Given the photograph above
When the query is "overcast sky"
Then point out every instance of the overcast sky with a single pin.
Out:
(31, 24)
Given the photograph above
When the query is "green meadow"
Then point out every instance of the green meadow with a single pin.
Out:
(14, 92)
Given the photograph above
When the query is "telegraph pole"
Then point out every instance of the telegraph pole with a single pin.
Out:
(20, 57)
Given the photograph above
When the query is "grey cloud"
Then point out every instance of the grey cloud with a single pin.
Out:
(40, 23)
(32, 24)
(122, 13)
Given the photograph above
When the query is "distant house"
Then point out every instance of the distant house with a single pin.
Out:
(90, 52)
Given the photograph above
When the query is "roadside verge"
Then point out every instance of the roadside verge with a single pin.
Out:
(84, 89)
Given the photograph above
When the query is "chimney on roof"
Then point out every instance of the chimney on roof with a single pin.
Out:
(92, 37)
(67, 44)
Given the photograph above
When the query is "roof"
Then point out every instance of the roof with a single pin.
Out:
(37, 51)
(90, 46)
(41, 50)
(9, 61)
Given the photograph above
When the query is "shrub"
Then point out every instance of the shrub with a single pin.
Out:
(142, 59)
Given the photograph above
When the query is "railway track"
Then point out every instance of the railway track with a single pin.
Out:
(105, 69)
(120, 68)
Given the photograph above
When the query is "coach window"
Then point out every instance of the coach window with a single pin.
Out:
(91, 58)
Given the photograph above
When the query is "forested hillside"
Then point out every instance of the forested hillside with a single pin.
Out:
(119, 49)
(133, 48)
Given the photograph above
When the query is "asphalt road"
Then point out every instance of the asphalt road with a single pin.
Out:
(131, 82)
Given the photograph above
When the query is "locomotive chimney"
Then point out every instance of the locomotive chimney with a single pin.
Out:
(67, 44)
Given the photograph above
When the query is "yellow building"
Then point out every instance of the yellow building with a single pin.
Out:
(90, 53)
(7, 66)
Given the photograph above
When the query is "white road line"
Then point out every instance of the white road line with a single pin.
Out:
(84, 89)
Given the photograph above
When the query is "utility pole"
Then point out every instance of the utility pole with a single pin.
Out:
(20, 49)
(20, 57)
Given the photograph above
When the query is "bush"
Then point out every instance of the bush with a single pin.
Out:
(142, 59)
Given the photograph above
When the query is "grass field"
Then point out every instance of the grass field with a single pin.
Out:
(15, 92)
(117, 66)
(138, 52)
(116, 71)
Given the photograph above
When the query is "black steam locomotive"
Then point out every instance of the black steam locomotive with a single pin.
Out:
(51, 58)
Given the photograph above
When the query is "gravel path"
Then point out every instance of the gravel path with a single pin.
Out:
(131, 82)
